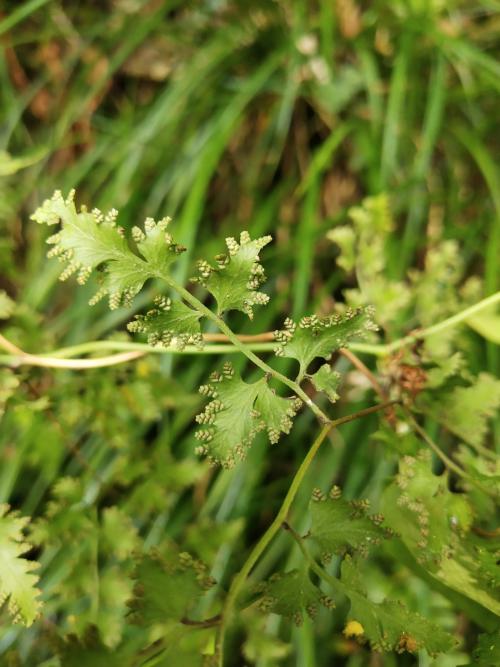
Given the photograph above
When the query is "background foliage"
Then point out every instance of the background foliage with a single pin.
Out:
(276, 117)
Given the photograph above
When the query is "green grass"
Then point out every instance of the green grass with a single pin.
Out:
(272, 118)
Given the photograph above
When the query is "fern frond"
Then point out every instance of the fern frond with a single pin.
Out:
(90, 651)
(170, 323)
(389, 625)
(18, 584)
(89, 240)
(167, 586)
(237, 412)
(465, 410)
(326, 380)
(340, 526)
(321, 336)
(236, 277)
(291, 594)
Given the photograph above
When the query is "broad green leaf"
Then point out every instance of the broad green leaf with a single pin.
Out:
(339, 526)
(389, 625)
(484, 470)
(89, 651)
(465, 410)
(420, 507)
(166, 587)
(291, 594)
(170, 323)
(487, 651)
(321, 336)
(445, 368)
(95, 588)
(235, 279)
(17, 581)
(434, 524)
(464, 572)
(436, 289)
(328, 381)
(236, 413)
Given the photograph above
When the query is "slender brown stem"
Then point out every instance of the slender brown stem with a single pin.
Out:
(207, 623)
(489, 534)
(362, 368)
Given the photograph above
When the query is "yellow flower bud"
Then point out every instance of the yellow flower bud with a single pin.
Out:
(353, 629)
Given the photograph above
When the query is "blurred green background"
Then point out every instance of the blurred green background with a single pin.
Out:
(272, 116)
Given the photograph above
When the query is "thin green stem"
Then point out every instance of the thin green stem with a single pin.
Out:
(334, 583)
(260, 547)
(99, 345)
(452, 321)
(49, 359)
(222, 326)
(451, 465)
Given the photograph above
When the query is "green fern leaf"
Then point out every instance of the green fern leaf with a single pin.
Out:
(235, 279)
(236, 413)
(17, 581)
(167, 586)
(156, 244)
(292, 593)
(320, 337)
(89, 651)
(327, 380)
(434, 524)
(184, 646)
(276, 412)
(470, 573)
(363, 249)
(170, 323)
(487, 651)
(88, 240)
(480, 469)
(339, 526)
(389, 625)
(465, 410)
(229, 421)
(421, 508)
